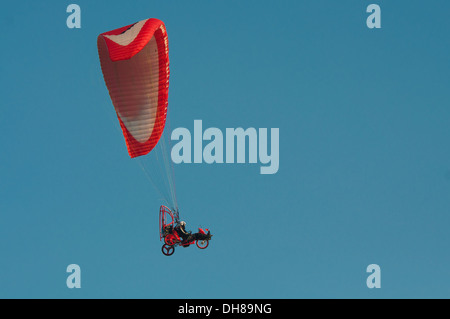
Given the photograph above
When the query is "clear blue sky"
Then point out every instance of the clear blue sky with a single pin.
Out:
(364, 118)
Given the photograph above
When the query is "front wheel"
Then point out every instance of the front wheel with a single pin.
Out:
(202, 243)
(168, 250)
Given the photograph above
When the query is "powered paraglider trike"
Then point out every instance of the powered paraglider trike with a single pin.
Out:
(168, 224)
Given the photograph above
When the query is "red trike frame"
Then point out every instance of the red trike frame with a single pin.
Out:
(164, 221)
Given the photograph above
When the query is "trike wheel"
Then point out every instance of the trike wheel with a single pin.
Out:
(170, 240)
(168, 250)
(202, 243)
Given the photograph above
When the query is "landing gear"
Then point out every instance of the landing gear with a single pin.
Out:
(202, 244)
(168, 250)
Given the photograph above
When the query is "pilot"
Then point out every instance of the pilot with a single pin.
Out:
(181, 230)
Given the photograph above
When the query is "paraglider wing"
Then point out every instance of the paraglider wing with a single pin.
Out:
(135, 65)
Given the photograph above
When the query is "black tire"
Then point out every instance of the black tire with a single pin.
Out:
(168, 250)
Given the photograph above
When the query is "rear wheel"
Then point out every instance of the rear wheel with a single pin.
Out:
(202, 243)
(168, 250)
(170, 240)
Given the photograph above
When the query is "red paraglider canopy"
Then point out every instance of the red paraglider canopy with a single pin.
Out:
(135, 66)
